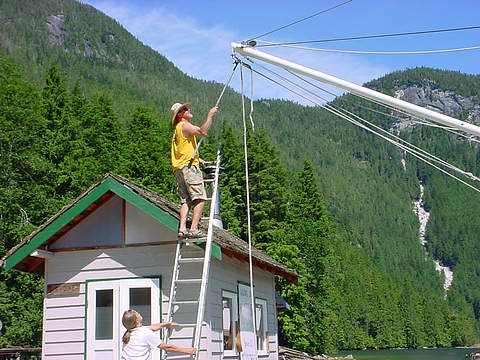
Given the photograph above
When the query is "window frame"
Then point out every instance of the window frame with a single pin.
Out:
(233, 297)
(265, 348)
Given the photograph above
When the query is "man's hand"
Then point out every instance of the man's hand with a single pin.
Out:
(212, 111)
(201, 162)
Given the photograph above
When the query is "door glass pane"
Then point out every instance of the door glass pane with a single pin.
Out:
(259, 313)
(140, 301)
(104, 315)
(227, 324)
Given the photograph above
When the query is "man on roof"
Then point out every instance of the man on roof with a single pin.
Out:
(189, 176)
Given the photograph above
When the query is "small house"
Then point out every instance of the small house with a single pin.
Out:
(113, 249)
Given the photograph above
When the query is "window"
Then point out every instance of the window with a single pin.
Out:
(140, 301)
(261, 326)
(106, 301)
(230, 321)
(104, 315)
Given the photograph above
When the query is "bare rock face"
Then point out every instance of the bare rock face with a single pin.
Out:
(444, 101)
(87, 47)
(55, 24)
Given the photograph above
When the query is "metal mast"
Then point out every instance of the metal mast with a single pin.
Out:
(248, 51)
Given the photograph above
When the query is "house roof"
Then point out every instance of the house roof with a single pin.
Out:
(147, 200)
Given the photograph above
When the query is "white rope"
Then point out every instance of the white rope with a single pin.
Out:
(251, 100)
(405, 148)
(374, 52)
(249, 232)
(419, 153)
(216, 104)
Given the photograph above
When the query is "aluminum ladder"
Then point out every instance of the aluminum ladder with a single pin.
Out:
(178, 283)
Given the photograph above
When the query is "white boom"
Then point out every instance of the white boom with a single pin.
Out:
(249, 51)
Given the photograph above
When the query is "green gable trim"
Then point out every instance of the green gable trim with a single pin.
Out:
(108, 185)
(143, 204)
(55, 226)
(216, 249)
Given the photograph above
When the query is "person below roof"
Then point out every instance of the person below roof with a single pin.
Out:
(190, 179)
(139, 340)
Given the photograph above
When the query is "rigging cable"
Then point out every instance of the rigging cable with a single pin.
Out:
(251, 99)
(216, 104)
(421, 154)
(298, 21)
(252, 298)
(421, 121)
(366, 37)
(381, 52)
(417, 149)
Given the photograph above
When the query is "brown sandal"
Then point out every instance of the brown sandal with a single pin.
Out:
(196, 234)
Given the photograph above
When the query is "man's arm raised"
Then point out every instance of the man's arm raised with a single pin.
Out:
(189, 129)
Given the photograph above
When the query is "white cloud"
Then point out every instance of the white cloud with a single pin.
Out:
(204, 52)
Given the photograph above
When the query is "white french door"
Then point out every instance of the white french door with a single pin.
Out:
(106, 302)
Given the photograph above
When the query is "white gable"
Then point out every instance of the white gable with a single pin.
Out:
(103, 227)
(141, 228)
(115, 223)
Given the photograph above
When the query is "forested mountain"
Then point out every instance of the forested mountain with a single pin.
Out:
(80, 96)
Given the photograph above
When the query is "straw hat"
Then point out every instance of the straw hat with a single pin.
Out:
(176, 108)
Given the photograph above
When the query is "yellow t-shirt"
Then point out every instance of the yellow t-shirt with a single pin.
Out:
(182, 148)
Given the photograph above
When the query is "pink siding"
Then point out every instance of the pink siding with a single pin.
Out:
(62, 336)
(65, 312)
(65, 348)
(64, 357)
(64, 324)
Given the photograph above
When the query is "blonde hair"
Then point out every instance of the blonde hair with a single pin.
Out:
(129, 320)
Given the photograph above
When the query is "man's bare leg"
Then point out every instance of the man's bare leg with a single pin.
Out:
(183, 217)
(197, 213)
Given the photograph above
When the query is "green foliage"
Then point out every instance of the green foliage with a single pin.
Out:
(21, 309)
(343, 220)
(145, 151)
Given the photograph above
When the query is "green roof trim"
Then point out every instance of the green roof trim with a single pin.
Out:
(142, 204)
(216, 249)
(108, 184)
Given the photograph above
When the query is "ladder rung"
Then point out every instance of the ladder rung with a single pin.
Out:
(189, 241)
(191, 260)
(185, 302)
(188, 281)
(209, 179)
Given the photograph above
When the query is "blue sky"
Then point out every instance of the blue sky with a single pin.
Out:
(196, 35)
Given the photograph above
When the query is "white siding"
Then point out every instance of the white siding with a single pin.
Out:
(64, 316)
(102, 228)
(140, 229)
(225, 275)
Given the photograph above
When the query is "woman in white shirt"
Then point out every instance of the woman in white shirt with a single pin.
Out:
(139, 340)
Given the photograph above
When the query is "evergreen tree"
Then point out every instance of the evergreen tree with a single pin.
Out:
(145, 152)
(268, 192)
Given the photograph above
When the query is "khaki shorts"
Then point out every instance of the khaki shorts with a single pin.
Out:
(190, 184)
